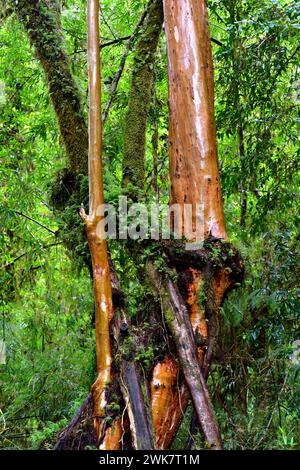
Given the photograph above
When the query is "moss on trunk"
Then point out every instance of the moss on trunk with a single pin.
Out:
(41, 21)
(139, 97)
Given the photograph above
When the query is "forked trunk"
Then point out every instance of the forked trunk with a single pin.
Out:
(195, 181)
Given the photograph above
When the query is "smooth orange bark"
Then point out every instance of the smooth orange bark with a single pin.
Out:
(113, 437)
(194, 174)
(169, 398)
(193, 157)
(95, 234)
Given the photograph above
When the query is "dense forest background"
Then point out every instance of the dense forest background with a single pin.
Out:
(46, 293)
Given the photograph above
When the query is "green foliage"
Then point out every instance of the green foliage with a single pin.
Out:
(257, 95)
(50, 353)
(257, 383)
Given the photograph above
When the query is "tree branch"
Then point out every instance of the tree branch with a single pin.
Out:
(27, 253)
(35, 221)
(118, 75)
(177, 319)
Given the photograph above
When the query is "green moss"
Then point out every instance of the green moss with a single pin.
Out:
(146, 356)
(138, 103)
(201, 296)
(43, 28)
(114, 407)
(169, 317)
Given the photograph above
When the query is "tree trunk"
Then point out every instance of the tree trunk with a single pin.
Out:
(96, 237)
(41, 21)
(194, 177)
(138, 102)
(194, 172)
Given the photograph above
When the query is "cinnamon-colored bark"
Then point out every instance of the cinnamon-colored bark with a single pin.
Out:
(194, 172)
(96, 238)
(169, 398)
(112, 437)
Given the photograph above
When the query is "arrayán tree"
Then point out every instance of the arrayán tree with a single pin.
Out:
(132, 406)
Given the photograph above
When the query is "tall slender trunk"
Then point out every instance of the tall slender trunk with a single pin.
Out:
(138, 102)
(95, 233)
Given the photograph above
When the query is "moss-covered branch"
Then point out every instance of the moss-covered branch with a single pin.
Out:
(41, 21)
(139, 96)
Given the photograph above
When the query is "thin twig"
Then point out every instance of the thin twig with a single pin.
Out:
(27, 253)
(216, 41)
(106, 22)
(115, 41)
(35, 221)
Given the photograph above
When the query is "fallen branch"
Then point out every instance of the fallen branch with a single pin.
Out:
(141, 434)
(177, 319)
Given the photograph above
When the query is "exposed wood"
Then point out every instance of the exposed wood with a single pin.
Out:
(141, 432)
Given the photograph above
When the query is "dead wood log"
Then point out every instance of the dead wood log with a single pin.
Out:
(141, 432)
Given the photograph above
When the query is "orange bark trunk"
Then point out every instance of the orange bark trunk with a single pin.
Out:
(194, 171)
(110, 437)
(194, 177)
(169, 398)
